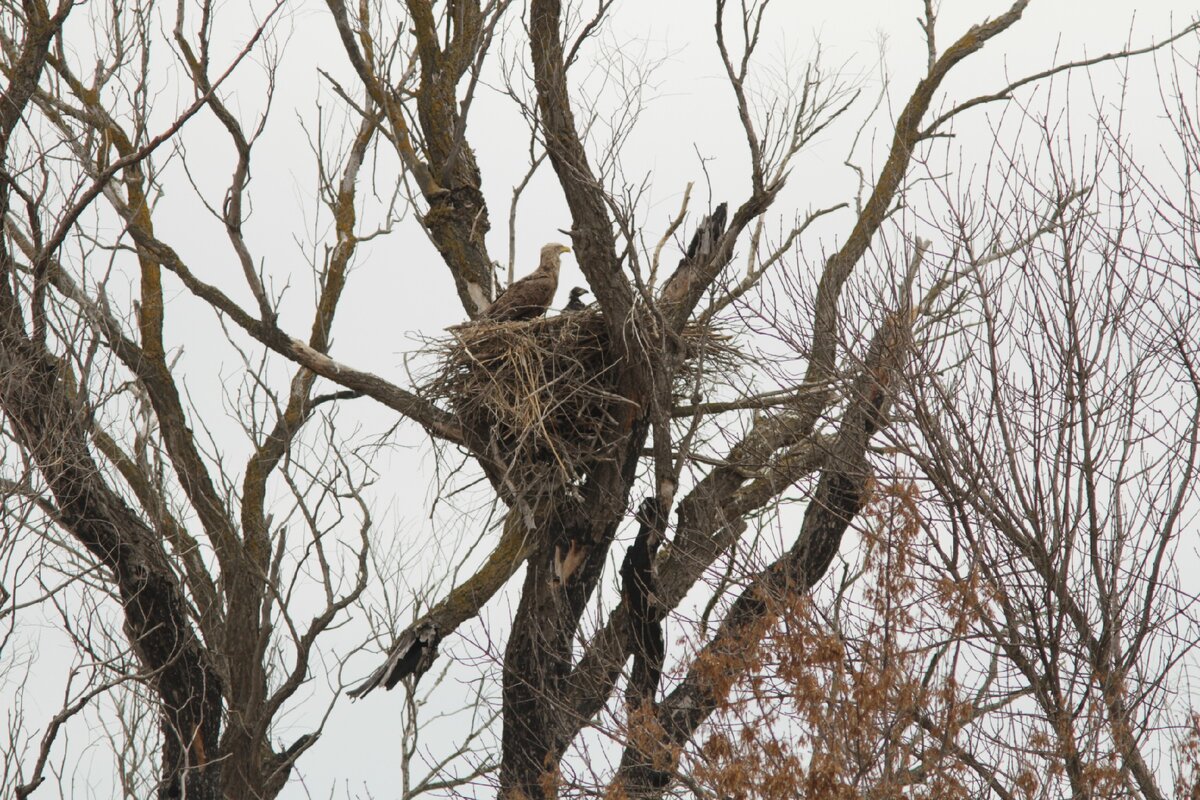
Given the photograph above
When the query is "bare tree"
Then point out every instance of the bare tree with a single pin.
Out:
(202, 568)
(1063, 454)
(1050, 567)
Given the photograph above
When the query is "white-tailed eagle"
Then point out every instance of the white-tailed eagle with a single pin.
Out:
(530, 296)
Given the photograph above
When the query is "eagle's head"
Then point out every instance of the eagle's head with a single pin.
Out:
(550, 256)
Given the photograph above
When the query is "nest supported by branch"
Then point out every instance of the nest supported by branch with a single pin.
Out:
(541, 396)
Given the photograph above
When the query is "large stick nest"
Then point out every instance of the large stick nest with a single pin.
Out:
(541, 396)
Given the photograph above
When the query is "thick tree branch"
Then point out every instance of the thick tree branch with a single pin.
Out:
(592, 227)
(415, 648)
(840, 495)
(445, 168)
(823, 359)
(34, 394)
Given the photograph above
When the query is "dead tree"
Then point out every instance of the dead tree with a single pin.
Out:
(565, 419)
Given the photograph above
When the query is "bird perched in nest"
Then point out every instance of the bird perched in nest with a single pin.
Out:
(575, 303)
(530, 296)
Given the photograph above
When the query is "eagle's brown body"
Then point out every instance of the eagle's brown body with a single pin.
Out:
(530, 296)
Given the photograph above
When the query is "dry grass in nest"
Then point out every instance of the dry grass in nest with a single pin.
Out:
(541, 395)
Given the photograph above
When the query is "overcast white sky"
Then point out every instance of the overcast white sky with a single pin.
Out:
(399, 289)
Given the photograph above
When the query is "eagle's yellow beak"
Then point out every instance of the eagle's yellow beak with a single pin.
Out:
(565, 249)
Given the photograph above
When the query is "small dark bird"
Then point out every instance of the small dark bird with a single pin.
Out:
(530, 296)
(574, 303)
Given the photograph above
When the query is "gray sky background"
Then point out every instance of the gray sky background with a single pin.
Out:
(398, 288)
